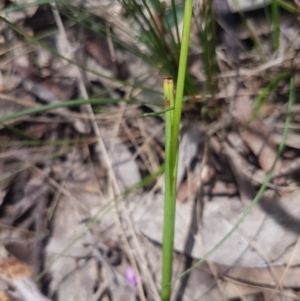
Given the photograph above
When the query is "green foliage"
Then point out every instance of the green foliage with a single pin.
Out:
(288, 6)
(206, 29)
(156, 25)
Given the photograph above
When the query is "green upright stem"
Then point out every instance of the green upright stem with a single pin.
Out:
(169, 204)
(171, 150)
(180, 81)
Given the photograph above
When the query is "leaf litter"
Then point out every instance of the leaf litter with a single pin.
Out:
(62, 222)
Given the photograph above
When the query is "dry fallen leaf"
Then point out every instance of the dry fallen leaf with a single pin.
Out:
(236, 162)
(4, 296)
(190, 187)
(13, 269)
(100, 52)
(257, 135)
(18, 274)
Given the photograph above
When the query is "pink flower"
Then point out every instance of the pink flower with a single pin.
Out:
(131, 278)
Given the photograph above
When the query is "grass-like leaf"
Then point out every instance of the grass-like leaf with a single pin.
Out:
(206, 30)
(252, 34)
(289, 6)
(263, 97)
(275, 24)
(157, 35)
(69, 103)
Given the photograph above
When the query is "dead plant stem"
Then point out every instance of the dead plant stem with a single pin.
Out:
(103, 151)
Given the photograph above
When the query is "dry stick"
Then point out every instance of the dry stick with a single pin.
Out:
(253, 72)
(18, 101)
(125, 211)
(59, 191)
(11, 59)
(154, 165)
(101, 290)
(103, 150)
(260, 287)
(135, 240)
(123, 207)
(260, 253)
(60, 187)
(238, 292)
(278, 285)
(101, 194)
(148, 139)
(28, 290)
(138, 149)
(20, 45)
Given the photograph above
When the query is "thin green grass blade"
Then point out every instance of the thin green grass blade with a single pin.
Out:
(166, 55)
(155, 42)
(156, 113)
(158, 31)
(181, 79)
(206, 30)
(262, 98)
(251, 32)
(88, 23)
(172, 44)
(292, 99)
(176, 21)
(275, 24)
(18, 132)
(158, 44)
(289, 7)
(136, 12)
(64, 142)
(168, 61)
(70, 103)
